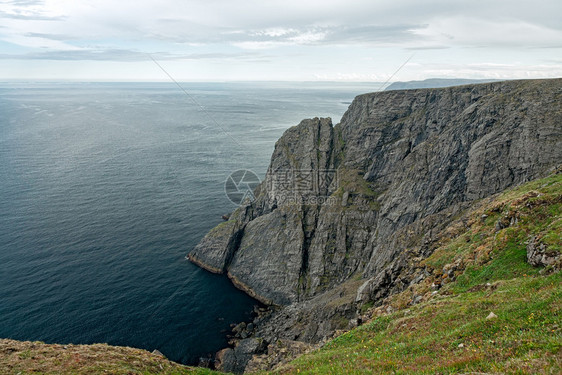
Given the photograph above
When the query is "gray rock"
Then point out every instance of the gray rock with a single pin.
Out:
(235, 360)
(219, 245)
(278, 353)
(539, 256)
(405, 156)
(239, 328)
(416, 299)
(345, 198)
(353, 200)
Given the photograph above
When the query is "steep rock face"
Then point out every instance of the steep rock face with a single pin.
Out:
(427, 150)
(346, 202)
(247, 246)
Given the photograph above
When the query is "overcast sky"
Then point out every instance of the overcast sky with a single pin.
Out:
(303, 40)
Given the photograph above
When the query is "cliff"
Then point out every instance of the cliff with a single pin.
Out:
(347, 212)
(485, 306)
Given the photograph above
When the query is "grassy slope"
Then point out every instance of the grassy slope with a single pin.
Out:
(17, 357)
(448, 332)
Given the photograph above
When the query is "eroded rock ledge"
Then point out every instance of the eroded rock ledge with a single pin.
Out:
(346, 211)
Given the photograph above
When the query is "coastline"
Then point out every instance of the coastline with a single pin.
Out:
(193, 259)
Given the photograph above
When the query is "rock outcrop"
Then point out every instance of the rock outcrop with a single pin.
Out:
(539, 255)
(235, 360)
(349, 207)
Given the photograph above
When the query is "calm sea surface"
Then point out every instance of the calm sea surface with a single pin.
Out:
(105, 187)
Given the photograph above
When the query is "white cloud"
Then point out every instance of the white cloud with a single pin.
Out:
(491, 70)
(291, 32)
(274, 32)
(309, 37)
(38, 42)
(341, 20)
(463, 31)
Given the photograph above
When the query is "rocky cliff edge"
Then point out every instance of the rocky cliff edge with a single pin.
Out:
(344, 210)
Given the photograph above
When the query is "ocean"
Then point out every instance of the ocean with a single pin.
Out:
(104, 189)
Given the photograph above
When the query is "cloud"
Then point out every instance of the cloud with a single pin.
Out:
(327, 35)
(321, 36)
(473, 32)
(427, 47)
(30, 17)
(492, 70)
(93, 55)
(120, 55)
(48, 36)
(28, 10)
(279, 23)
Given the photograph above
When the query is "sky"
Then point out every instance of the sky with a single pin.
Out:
(279, 40)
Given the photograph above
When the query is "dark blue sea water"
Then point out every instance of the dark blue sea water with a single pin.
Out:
(105, 187)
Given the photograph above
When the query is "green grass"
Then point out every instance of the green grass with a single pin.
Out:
(448, 333)
(24, 357)
(352, 181)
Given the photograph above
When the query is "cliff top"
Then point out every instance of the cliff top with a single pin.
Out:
(434, 83)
